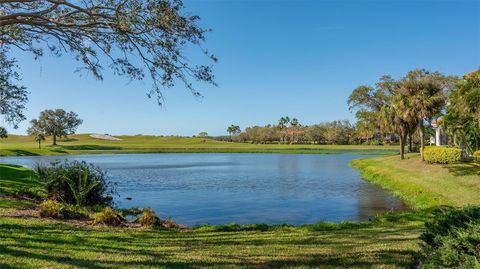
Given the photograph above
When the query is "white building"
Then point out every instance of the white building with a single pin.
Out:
(440, 138)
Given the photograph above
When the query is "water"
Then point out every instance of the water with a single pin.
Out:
(220, 188)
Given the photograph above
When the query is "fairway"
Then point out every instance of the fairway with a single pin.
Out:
(84, 144)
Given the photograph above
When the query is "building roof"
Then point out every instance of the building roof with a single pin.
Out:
(472, 73)
(436, 122)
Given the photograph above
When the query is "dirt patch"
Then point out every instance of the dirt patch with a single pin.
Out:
(34, 214)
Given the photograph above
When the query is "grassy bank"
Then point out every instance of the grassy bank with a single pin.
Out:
(84, 144)
(424, 185)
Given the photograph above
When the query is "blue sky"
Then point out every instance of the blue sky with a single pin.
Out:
(276, 58)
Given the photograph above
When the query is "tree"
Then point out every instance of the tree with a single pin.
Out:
(203, 134)
(12, 97)
(37, 131)
(283, 121)
(294, 122)
(3, 133)
(425, 94)
(367, 102)
(234, 130)
(135, 38)
(282, 124)
(463, 112)
(58, 123)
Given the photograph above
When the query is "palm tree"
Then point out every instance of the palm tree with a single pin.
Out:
(396, 118)
(424, 94)
(234, 130)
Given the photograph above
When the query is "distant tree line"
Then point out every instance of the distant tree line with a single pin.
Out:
(290, 131)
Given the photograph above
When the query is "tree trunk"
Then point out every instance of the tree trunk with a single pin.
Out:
(54, 140)
(402, 146)
(410, 143)
(39, 144)
(422, 142)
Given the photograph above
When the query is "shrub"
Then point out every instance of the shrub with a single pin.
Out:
(452, 239)
(56, 210)
(149, 218)
(108, 216)
(442, 155)
(476, 156)
(76, 182)
(49, 209)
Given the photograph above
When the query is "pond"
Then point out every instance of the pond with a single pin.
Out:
(220, 188)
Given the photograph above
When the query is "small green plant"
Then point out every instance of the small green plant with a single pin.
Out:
(149, 218)
(476, 156)
(108, 216)
(56, 210)
(443, 155)
(452, 239)
(82, 187)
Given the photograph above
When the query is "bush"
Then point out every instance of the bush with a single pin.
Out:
(452, 239)
(476, 156)
(442, 155)
(149, 218)
(108, 216)
(56, 210)
(76, 182)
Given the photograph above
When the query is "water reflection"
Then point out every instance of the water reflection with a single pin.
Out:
(221, 188)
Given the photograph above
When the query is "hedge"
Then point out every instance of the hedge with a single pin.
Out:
(476, 156)
(442, 155)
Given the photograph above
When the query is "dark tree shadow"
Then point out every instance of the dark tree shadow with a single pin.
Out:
(464, 169)
(90, 147)
(20, 152)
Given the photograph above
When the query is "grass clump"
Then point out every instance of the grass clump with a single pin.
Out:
(149, 218)
(452, 239)
(56, 210)
(108, 216)
(443, 155)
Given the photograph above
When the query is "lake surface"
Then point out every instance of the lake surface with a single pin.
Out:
(220, 188)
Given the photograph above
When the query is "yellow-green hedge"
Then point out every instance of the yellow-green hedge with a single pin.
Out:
(442, 155)
(476, 155)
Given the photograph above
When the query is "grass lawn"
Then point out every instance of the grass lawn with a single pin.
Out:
(83, 143)
(424, 185)
(389, 242)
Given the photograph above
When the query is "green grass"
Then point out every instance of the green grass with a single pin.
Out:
(84, 144)
(13, 178)
(424, 185)
(37, 244)
(390, 241)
